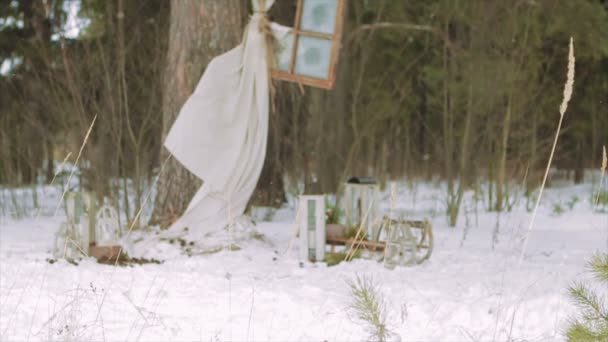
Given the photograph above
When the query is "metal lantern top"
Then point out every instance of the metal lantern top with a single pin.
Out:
(362, 180)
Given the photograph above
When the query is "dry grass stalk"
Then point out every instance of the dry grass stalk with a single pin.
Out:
(53, 180)
(357, 240)
(65, 190)
(295, 229)
(569, 81)
(120, 251)
(138, 215)
(60, 167)
(562, 110)
(359, 237)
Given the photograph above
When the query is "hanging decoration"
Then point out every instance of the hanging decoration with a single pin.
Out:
(309, 53)
(221, 131)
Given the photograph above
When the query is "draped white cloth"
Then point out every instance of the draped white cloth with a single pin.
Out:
(221, 132)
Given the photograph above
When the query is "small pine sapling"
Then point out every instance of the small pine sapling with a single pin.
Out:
(592, 323)
(369, 307)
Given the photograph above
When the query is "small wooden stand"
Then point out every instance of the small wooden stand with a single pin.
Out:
(107, 254)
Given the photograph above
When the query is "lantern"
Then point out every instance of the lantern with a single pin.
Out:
(80, 225)
(361, 205)
(311, 225)
(107, 226)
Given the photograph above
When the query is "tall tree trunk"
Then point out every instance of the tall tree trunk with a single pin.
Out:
(502, 162)
(50, 164)
(199, 31)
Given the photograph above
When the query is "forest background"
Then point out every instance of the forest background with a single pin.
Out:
(461, 91)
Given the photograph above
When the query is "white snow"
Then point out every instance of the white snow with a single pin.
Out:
(468, 290)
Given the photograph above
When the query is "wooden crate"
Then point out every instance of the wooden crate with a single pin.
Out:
(105, 253)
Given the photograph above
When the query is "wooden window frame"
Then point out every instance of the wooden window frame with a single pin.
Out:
(335, 38)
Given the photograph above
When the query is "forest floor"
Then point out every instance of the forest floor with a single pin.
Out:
(473, 288)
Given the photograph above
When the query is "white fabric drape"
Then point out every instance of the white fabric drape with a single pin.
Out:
(221, 132)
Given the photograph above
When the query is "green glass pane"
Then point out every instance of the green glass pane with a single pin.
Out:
(312, 209)
(313, 57)
(319, 16)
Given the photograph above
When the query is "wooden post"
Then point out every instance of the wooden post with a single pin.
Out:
(92, 211)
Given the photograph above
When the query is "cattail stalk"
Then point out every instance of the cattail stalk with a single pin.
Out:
(562, 111)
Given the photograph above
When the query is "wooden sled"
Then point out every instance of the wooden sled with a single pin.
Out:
(417, 234)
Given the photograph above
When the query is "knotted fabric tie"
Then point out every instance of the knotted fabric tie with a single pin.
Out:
(272, 46)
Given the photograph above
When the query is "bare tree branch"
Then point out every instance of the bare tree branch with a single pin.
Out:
(403, 27)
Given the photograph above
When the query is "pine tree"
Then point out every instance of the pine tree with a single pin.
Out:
(592, 325)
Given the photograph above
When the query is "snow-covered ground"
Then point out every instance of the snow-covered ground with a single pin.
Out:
(471, 289)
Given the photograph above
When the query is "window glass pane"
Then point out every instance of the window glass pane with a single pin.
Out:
(319, 16)
(313, 57)
(284, 53)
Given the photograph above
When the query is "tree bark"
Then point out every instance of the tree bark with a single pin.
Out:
(502, 162)
(199, 30)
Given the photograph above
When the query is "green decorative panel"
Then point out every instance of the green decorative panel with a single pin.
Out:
(312, 222)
